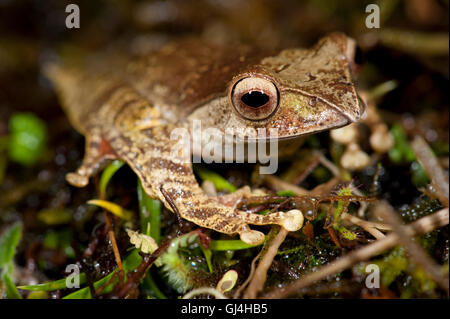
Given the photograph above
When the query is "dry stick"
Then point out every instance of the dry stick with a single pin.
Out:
(250, 276)
(361, 222)
(431, 165)
(307, 171)
(278, 185)
(417, 253)
(257, 283)
(135, 277)
(330, 165)
(112, 238)
(370, 227)
(421, 226)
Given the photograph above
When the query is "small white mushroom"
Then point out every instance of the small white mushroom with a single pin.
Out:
(228, 281)
(381, 139)
(354, 158)
(293, 220)
(345, 135)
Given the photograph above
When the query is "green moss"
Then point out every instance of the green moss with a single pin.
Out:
(28, 138)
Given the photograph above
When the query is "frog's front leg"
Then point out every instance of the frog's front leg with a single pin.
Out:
(150, 154)
(97, 152)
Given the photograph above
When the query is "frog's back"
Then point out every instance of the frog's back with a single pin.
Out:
(176, 78)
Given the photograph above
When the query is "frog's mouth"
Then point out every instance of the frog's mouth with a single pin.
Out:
(246, 139)
(293, 132)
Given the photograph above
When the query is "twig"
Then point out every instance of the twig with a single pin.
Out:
(417, 253)
(330, 165)
(112, 239)
(257, 283)
(431, 165)
(277, 184)
(370, 227)
(250, 276)
(135, 277)
(421, 226)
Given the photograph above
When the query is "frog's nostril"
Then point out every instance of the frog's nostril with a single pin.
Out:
(255, 99)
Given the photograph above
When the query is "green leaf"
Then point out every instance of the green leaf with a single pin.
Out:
(287, 193)
(150, 217)
(130, 263)
(9, 242)
(383, 88)
(112, 208)
(345, 232)
(150, 288)
(208, 254)
(401, 152)
(219, 182)
(223, 245)
(419, 176)
(28, 138)
(107, 174)
(53, 285)
(11, 290)
(56, 216)
(149, 212)
(37, 295)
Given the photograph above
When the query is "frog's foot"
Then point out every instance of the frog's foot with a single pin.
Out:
(97, 151)
(251, 237)
(209, 213)
(291, 221)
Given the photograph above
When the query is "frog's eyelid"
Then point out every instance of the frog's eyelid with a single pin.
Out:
(254, 83)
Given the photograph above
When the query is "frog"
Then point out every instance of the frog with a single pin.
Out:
(127, 105)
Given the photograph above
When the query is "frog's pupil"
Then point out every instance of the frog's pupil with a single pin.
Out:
(255, 99)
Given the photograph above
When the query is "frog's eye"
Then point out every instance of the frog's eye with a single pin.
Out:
(254, 98)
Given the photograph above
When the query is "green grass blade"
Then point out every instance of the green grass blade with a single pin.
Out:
(222, 245)
(149, 212)
(54, 285)
(107, 174)
(9, 242)
(219, 182)
(11, 290)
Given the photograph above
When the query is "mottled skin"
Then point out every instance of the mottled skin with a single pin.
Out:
(127, 107)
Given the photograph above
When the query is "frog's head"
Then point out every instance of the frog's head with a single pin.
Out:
(296, 92)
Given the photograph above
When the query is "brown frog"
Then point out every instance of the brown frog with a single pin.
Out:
(128, 107)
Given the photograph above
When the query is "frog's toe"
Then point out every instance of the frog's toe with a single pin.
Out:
(77, 179)
(292, 221)
(251, 237)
